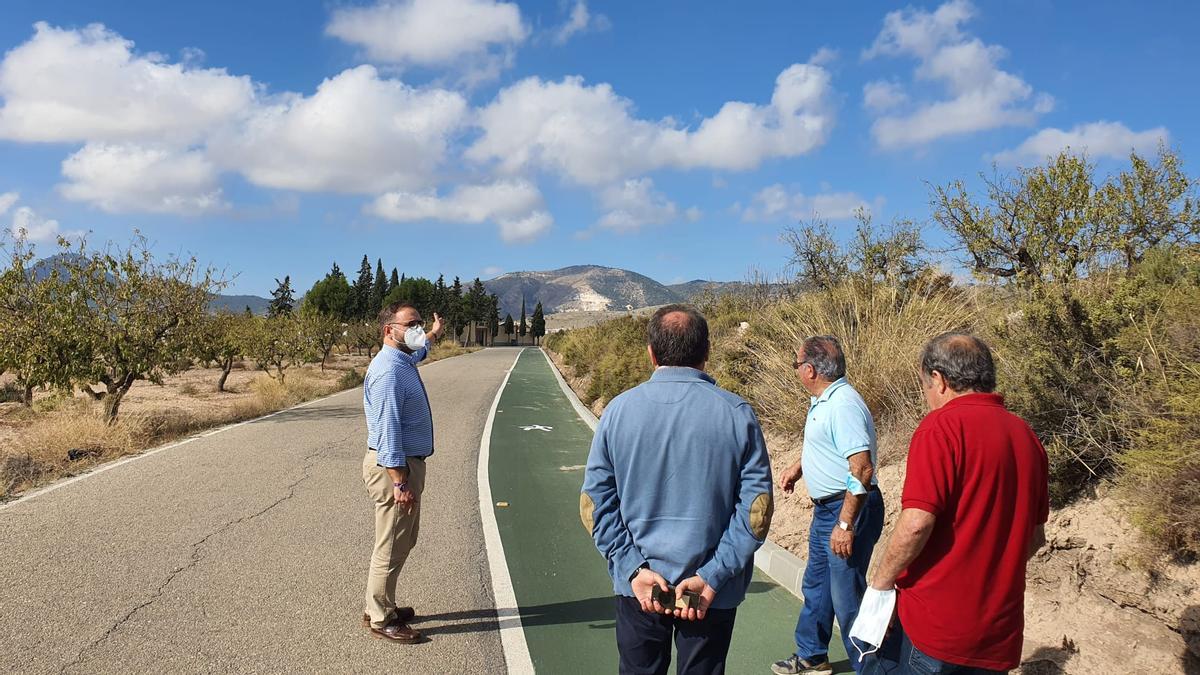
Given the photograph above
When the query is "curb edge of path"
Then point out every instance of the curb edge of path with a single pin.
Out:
(783, 566)
(508, 612)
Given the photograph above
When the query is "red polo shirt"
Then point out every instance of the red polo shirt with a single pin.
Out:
(981, 470)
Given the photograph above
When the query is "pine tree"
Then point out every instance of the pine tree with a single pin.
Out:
(477, 306)
(282, 299)
(524, 327)
(440, 294)
(537, 327)
(378, 288)
(361, 297)
(393, 282)
(335, 272)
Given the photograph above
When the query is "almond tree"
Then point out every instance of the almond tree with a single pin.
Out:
(136, 317)
(37, 301)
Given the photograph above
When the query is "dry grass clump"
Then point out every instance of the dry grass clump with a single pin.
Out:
(271, 395)
(44, 449)
(446, 349)
(882, 331)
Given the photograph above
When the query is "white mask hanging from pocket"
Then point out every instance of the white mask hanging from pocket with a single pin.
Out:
(874, 617)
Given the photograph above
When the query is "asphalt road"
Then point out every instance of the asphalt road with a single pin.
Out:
(247, 550)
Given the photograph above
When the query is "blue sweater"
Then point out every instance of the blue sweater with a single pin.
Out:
(678, 477)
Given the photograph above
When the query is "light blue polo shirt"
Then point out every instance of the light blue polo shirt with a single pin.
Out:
(839, 425)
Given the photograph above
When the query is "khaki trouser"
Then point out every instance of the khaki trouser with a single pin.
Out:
(395, 534)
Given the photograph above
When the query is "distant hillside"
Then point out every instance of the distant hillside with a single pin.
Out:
(579, 288)
(692, 289)
(228, 303)
(239, 303)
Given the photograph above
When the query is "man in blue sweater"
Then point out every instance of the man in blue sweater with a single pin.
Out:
(677, 493)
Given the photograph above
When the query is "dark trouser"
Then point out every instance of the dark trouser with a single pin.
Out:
(644, 640)
(899, 656)
(834, 587)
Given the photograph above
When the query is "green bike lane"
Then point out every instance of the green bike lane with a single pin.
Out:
(539, 446)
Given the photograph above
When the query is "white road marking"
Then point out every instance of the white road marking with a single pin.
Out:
(508, 613)
(775, 561)
(537, 427)
(171, 446)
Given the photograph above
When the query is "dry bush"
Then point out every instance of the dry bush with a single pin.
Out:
(446, 349)
(881, 329)
(41, 450)
(189, 389)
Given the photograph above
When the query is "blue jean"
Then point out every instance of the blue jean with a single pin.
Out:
(899, 656)
(834, 587)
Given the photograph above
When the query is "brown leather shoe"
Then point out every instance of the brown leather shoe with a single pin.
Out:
(397, 632)
(402, 614)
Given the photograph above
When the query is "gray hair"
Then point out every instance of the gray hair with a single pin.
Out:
(824, 353)
(964, 361)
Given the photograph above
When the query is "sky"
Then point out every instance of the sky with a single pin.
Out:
(474, 137)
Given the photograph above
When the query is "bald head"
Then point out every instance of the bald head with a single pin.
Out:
(678, 336)
(963, 360)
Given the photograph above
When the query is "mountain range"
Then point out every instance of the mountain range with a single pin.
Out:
(580, 288)
(588, 288)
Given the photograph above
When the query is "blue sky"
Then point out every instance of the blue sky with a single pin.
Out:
(470, 137)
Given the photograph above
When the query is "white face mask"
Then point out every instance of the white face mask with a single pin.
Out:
(874, 616)
(414, 338)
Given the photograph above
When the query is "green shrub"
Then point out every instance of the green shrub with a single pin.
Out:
(350, 379)
(611, 356)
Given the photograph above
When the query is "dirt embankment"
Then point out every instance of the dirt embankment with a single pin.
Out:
(1092, 604)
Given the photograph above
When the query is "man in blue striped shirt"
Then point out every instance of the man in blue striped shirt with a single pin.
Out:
(399, 438)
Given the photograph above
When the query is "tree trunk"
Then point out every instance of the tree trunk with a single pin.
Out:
(225, 368)
(27, 395)
(112, 404)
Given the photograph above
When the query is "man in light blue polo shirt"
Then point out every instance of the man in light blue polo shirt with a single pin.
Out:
(838, 467)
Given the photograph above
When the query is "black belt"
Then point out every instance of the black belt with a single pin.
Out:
(840, 495)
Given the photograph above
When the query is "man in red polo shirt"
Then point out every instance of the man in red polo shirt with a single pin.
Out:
(974, 506)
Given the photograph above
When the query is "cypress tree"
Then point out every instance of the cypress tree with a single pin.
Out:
(538, 325)
(361, 297)
(524, 327)
(378, 288)
(393, 282)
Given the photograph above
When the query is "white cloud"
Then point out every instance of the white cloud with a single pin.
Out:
(7, 200)
(527, 228)
(358, 133)
(776, 203)
(466, 204)
(477, 36)
(136, 178)
(824, 56)
(981, 95)
(1097, 139)
(37, 229)
(515, 205)
(590, 135)
(89, 85)
(633, 204)
(580, 20)
(492, 271)
(881, 95)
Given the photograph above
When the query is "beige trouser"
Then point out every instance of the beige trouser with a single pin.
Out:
(395, 534)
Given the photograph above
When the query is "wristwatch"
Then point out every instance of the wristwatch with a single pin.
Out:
(845, 527)
(403, 487)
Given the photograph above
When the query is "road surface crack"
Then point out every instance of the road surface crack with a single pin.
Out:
(197, 555)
